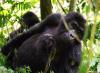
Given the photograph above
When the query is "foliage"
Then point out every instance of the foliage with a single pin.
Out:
(10, 13)
(11, 10)
(5, 70)
(23, 70)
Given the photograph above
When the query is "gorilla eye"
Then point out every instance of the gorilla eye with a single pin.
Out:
(75, 25)
(72, 63)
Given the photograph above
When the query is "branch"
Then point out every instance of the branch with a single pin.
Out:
(61, 6)
(72, 5)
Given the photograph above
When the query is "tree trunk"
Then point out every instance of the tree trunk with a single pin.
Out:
(46, 8)
(72, 5)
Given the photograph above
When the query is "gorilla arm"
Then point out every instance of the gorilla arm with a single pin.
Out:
(18, 40)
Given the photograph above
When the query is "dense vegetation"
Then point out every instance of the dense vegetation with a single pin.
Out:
(11, 10)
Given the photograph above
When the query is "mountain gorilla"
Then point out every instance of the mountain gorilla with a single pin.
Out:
(27, 20)
(43, 38)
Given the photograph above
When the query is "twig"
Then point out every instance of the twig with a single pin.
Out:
(61, 6)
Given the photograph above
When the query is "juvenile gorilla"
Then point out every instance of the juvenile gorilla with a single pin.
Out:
(27, 20)
(51, 34)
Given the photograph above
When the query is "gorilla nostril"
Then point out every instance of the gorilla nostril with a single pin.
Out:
(71, 36)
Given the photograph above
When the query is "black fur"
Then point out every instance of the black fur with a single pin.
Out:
(27, 20)
(49, 35)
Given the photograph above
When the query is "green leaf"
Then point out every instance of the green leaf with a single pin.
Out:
(83, 67)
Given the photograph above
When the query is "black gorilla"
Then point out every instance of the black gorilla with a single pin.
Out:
(49, 35)
(19, 39)
(27, 20)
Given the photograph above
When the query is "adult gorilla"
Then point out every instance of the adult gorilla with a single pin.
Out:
(52, 35)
